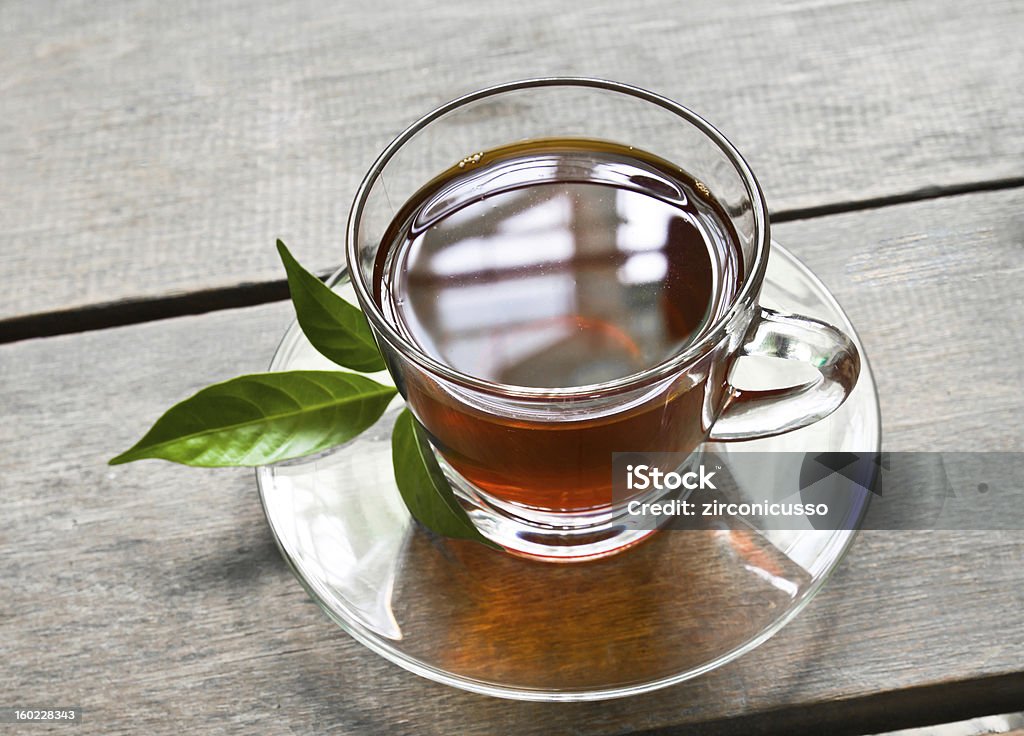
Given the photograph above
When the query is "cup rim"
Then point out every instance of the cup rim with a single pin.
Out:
(668, 367)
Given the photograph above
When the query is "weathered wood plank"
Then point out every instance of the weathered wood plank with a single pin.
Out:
(152, 595)
(936, 290)
(150, 149)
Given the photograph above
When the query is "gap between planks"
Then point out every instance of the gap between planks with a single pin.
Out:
(916, 707)
(148, 309)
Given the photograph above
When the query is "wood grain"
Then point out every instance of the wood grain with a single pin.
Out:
(937, 292)
(151, 149)
(153, 596)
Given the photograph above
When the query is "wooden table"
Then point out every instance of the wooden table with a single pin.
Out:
(150, 154)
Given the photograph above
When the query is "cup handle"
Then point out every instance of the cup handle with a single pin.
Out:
(753, 414)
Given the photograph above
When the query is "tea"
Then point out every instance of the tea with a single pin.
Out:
(558, 264)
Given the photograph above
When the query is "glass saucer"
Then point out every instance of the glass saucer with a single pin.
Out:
(679, 605)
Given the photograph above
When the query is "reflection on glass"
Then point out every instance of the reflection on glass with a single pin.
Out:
(560, 284)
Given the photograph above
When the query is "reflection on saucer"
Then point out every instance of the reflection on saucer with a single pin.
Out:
(672, 603)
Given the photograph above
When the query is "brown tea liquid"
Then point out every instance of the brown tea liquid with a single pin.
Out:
(553, 264)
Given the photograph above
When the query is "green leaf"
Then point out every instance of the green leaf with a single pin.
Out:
(264, 418)
(334, 327)
(423, 485)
